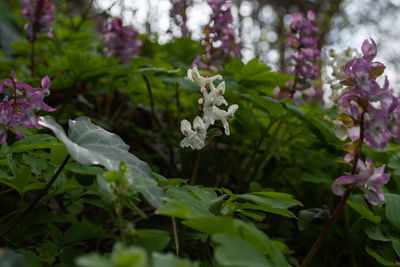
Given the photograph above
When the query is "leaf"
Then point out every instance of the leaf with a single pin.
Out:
(122, 256)
(48, 252)
(374, 232)
(151, 239)
(376, 72)
(392, 209)
(347, 120)
(241, 229)
(37, 141)
(90, 144)
(93, 260)
(379, 258)
(396, 246)
(348, 82)
(307, 216)
(233, 251)
(357, 203)
(170, 260)
(352, 147)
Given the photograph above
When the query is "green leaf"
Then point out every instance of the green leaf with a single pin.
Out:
(152, 240)
(48, 252)
(92, 145)
(20, 180)
(392, 209)
(374, 232)
(128, 257)
(307, 216)
(170, 260)
(396, 246)
(233, 251)
(379, 258)
(93, 260)
(272, 202)
(357, 203)
(243, 230)
(181, 203)
(37, 141)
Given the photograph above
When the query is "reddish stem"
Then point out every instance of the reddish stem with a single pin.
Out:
(322, 236)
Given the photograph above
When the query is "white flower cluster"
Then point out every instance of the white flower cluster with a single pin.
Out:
(332, 86)
(336, 64)
(212, 97)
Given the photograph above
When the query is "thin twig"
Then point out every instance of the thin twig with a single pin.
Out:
(36, 200)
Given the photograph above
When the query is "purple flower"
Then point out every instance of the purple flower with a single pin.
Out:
(40, 14)
(219, 37)
(369, 179)
(6, 120)
(121, 41)
(361, 76)
(377, 134)
(22, 111)
(303, 39)
(178, 15)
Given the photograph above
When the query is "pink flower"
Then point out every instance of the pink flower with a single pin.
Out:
(369, 180)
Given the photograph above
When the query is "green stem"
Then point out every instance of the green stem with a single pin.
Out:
(37, 199)
(153, 113)
(176, 239)
(268, 149)
(195, 168)
(118, 210)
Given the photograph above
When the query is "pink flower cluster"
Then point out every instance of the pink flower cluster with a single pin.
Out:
(21, 108)
(219, 41)
(368, 109)
(121, 41)
(40, 14)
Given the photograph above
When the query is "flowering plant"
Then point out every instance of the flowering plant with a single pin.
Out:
(212, 97)
(121, 41)
(219, 40)
(20, 110)
(40, 14)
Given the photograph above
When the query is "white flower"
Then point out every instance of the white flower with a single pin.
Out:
(194, 76)
(333, 73)
(340, 130)
(224, 116)
(193, 138)
(212, 97)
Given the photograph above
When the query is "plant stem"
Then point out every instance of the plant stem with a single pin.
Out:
(268, 148)
(317, 244)
(195, 168)
(153, 113)
(296, 74)
(33, 58)
(37, 199)
(176, 239)
(118, 210)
